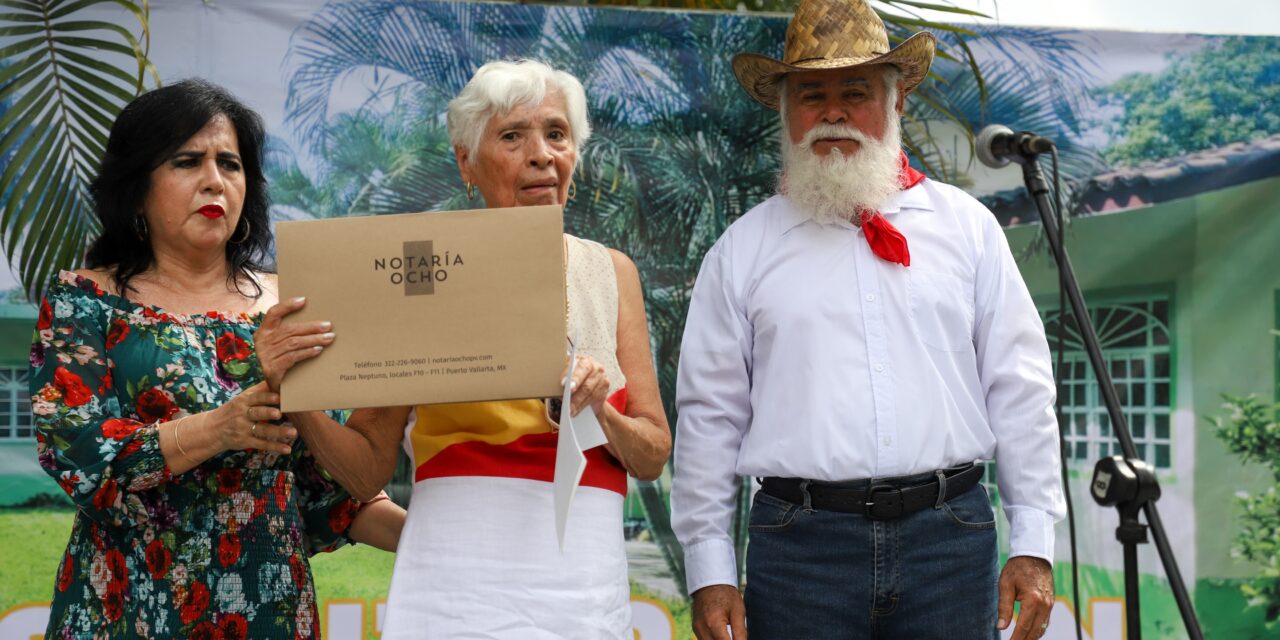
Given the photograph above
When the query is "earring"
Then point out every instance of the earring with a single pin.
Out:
(471, 191)
(140, 227)
(573, 189)
(247, 227)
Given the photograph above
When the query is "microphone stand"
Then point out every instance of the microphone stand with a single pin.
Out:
(1143, 489)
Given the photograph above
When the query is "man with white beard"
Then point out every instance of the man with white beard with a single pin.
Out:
(856, 343)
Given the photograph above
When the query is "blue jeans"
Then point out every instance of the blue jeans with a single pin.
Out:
(822, 574)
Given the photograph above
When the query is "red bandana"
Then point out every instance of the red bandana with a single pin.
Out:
(885, 240)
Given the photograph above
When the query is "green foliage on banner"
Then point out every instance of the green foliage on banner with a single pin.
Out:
(1251, 430)
(773, 6)
(1229, 91)
(64, 79)
(902, 19)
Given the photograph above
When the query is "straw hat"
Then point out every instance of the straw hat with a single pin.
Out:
(833, 34)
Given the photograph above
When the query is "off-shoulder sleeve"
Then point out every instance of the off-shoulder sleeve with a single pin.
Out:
(99, 457)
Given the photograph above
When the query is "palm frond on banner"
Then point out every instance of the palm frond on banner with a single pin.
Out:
(433, 47)
(902, 18)
(64, 79)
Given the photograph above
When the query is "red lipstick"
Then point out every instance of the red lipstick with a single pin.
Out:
(211, 211)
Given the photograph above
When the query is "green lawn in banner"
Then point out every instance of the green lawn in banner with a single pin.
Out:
(34, 540)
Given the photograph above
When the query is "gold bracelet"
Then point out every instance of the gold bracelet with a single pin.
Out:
(178, 442)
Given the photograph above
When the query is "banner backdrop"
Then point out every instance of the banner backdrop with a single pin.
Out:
(1170, 153)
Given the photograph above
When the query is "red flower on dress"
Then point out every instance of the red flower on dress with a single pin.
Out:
(129, 449)
(118, 332)
(233, 626)
(70, 484)
(156, 404)
(105, 496)
(74, 391)
(228, 549)
(197, 602)
(68, 571)
(206, 631)
(342, 514)
(298, 570)
(115, 562)
(281, 491)
(113, 602)
(46, 316)
(232, 347)
(159, 560)
(229, 481)
(119, 428)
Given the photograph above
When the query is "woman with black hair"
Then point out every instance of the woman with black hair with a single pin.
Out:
(151, 388)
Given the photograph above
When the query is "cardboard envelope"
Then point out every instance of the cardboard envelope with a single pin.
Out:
(428, 308)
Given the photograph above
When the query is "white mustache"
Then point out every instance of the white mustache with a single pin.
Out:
(822, 131)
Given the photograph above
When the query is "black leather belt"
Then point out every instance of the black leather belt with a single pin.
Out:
(886, 499)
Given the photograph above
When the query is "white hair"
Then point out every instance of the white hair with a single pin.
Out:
(833, 187)
(502, 85)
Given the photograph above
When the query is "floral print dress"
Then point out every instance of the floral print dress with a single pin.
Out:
(217, 552)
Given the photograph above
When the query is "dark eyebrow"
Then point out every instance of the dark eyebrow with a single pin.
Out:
(519, 124)
(806, 86)
(192, 153)
(857, 81)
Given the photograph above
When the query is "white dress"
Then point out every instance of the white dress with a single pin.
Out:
(478, 557)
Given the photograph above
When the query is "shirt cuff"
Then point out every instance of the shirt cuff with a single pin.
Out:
(1030, 533)
(710, 562)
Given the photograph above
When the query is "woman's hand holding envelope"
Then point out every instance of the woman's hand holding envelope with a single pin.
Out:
(280, 344)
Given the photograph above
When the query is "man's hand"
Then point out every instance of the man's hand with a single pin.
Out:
(1029, 581)
(717, 608)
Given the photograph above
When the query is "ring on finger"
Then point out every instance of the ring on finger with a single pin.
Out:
(253, 431)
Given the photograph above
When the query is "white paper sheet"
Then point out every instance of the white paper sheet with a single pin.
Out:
(577, 434)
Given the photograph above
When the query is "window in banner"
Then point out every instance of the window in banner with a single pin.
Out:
(15, 405)
(1135, 339)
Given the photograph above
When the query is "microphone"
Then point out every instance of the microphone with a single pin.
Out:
(998, 144)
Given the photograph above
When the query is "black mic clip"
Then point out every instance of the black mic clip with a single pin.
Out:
(998, 145)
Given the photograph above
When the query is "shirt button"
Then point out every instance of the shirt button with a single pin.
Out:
(879, 367)
(871, 297)
(886, 441)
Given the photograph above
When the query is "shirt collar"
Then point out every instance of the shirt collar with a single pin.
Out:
(914, 198)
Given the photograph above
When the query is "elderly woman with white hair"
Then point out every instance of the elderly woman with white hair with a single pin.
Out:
(479, 557)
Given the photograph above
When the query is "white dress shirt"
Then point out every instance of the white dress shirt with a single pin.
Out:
(807, 356)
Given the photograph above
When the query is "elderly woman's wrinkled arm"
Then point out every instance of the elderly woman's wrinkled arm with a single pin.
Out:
(639, 438)
(361, 455)
(379, 524)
